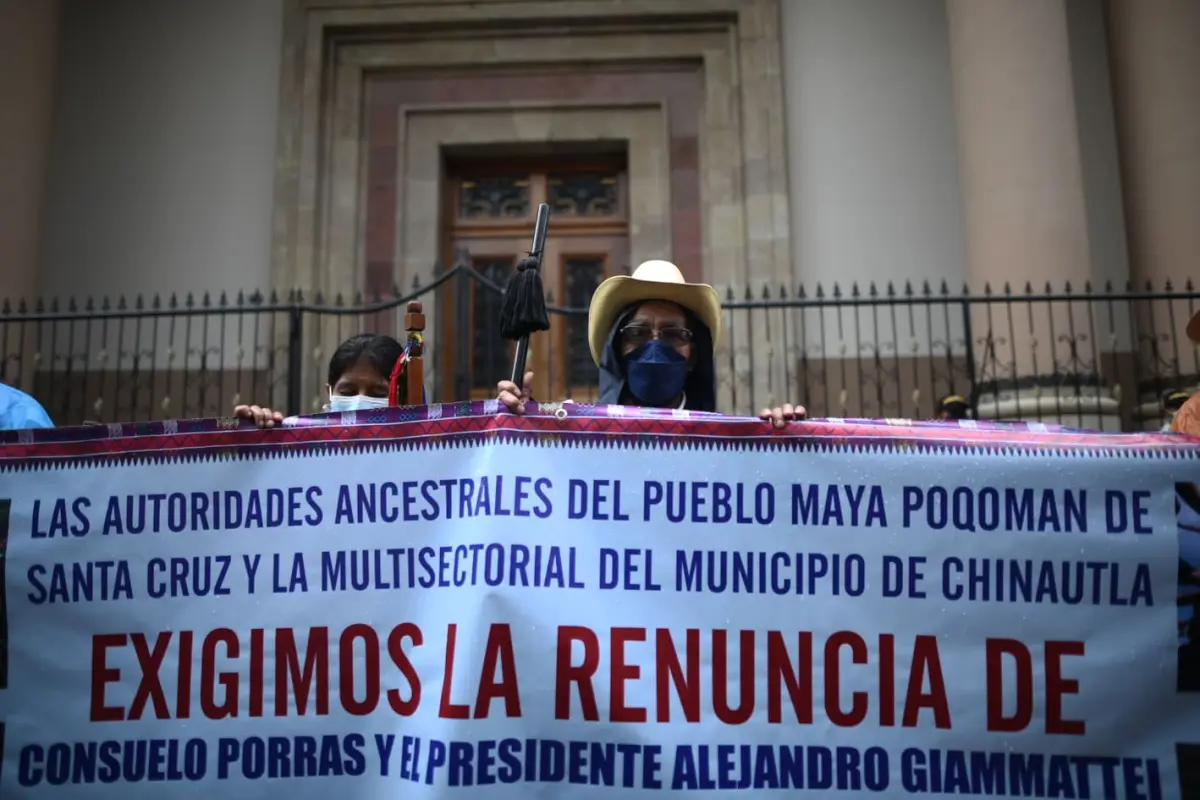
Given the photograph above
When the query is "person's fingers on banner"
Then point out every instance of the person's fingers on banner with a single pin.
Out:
(261, 416)
(513, 398)
(780, 416)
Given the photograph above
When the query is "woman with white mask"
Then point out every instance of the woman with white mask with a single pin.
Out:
(361, 375)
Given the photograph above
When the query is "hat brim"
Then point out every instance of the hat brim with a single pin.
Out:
(1193, 328)
(621, 291)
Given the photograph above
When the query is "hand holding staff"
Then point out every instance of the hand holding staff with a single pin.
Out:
(524, 310)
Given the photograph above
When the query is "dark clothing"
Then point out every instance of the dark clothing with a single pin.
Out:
(700, 391)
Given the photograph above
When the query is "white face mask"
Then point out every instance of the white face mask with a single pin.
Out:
(358, 402)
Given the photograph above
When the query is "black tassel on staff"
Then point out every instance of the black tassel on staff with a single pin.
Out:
(524, 310)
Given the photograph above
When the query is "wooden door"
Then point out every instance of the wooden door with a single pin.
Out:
(492, 214)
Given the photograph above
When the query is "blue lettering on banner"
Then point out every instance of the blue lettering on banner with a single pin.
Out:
(824, 506)
(509, 761)
(960, 772)
(81, 582)
(198, 576)
(698, 502)
(64, 518)
(1013, 580)
(537, 566)
(275, 757)
(598, 500)
(779, 573)
(989, 509)
(177, 512)
(449, 498)
(112, 761)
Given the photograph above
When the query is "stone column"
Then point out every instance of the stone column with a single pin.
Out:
(1023, 195)
(28, 54)
(1155, 53)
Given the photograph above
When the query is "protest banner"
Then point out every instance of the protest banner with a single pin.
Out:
(591, 602)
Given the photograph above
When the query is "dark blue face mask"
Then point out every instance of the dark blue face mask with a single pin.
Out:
(656, 373)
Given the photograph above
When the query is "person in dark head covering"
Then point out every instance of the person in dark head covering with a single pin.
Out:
(953, 407)
(653, 336)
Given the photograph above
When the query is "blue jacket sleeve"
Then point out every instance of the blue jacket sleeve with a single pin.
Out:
(30, 414)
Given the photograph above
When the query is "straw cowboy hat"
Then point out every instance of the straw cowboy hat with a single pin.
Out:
(652, 280)
(1193, 328)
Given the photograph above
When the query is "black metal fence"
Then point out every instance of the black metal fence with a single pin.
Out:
(1098, 357)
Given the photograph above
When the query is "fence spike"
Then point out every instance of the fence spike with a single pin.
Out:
(1029, 288)
(729, 296)
(1188, 284)
(274, 297)
(189, 301)
(783, 291)
(223, 300)
(139, 302)
(90, 305)
(7, 308)
(891, 289)
(206, 301)
(241, 298)
(1087, 287)
(766, 292)
(1167, 285)
(1066, 287)
(749, 293)
(821, 290)
(120, 302)
(416, 285)
(338, 302)
(802, 294)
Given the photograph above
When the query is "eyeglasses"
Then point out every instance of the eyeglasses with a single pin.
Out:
(638, 335)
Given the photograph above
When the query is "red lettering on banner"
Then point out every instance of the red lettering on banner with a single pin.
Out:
(566, 674)
(210, 679)
(788, 674)
(300, 671)
(102, 675)
(745, 707)
(1001, 650)
(926, 663)
(620, 672)
(1057, 686)
(685, 679)
(782, 675)
(446, 709)
(497, 652)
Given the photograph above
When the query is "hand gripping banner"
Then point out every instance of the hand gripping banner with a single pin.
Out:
(447, 602)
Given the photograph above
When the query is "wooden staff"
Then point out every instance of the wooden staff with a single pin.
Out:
(407, 384)
(414, 323)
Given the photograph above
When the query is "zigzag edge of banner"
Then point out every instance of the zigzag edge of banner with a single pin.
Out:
(581, 427)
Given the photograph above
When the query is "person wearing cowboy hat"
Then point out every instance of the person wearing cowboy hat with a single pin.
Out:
(1187, 418)
(653, 336)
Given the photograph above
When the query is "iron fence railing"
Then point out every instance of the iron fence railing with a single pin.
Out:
(1097, 357)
